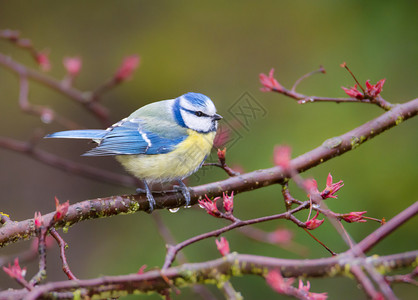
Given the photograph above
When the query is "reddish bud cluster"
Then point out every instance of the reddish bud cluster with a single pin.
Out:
(314, 222)
(278, 283)
(372, 91)
(38, 220)
(353, 92)
(223, 246)
(15, 271)
(228, 203)
(72, 65)
(42, 58)
(212, 209)
(127, 68)
(141, 269)
(311, 296)
(284, 286)
(269, 82)
(355, 216)
(61, 209)
(221, 154)
(331, 188)
(210, 206)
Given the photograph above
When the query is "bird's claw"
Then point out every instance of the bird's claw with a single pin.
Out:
(184, 190)
(141, 191)
(150, 197)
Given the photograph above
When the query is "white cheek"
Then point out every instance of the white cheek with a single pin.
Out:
(195, 122)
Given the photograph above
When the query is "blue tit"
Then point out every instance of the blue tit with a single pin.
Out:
(161, 142)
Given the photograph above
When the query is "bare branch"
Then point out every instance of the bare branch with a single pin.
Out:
(67, 165)
(94, 107)
(231, 265)
(128, 204)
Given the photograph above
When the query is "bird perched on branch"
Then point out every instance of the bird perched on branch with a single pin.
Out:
(161, 142)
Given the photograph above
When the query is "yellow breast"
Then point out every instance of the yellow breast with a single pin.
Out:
(183, 161)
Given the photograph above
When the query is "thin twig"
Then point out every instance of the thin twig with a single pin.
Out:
(46, 114)
(173, 250)
(344, 65)
(383, 231)
(226, 168)
(67, 165)
(95, 108)
(302, 99)
(321, 243)
(297, 82)
(63, 245)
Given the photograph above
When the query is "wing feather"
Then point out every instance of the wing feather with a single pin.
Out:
(131, 137)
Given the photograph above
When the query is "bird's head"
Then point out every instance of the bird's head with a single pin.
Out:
(197, 112)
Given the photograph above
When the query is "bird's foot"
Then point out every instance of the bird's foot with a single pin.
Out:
(150, 197)
(141, 191)
(151, 202)
(184, 190)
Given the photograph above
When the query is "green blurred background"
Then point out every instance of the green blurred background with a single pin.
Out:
(218, 48)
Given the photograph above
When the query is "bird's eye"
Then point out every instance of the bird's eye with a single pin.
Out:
(199, 113)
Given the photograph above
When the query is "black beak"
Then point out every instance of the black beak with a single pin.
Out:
(217, 117)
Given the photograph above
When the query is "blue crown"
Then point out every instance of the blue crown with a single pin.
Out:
(196, 99)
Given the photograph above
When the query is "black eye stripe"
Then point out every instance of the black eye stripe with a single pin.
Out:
(196, 113)
(200, 114)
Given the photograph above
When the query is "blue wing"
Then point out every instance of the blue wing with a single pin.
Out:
(79, 134)
(130, 137)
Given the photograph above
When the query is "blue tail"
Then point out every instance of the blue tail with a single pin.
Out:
(78, 134)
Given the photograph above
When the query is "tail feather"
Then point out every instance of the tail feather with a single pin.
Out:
(78, 134)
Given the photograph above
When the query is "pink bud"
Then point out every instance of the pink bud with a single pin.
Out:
(278, 283)
(269, 82)
(355, 216)
(374, 90)
(331, 188)
(223, 246)
(61, 209)
(127, 68)
(15, 271)
(72, 65)
(314, 223)
(42, 58)
(38, 220)
(210, 206)
(141, 269)
(221, 154)
(353, 92)
(228, 203)
(311, 296)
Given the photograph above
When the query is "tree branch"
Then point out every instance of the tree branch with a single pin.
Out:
(231, 265)
(66, 165)
(99, 111)
(372, 239)
(114, 205)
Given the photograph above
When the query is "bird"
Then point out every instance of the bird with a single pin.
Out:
(163, 141)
